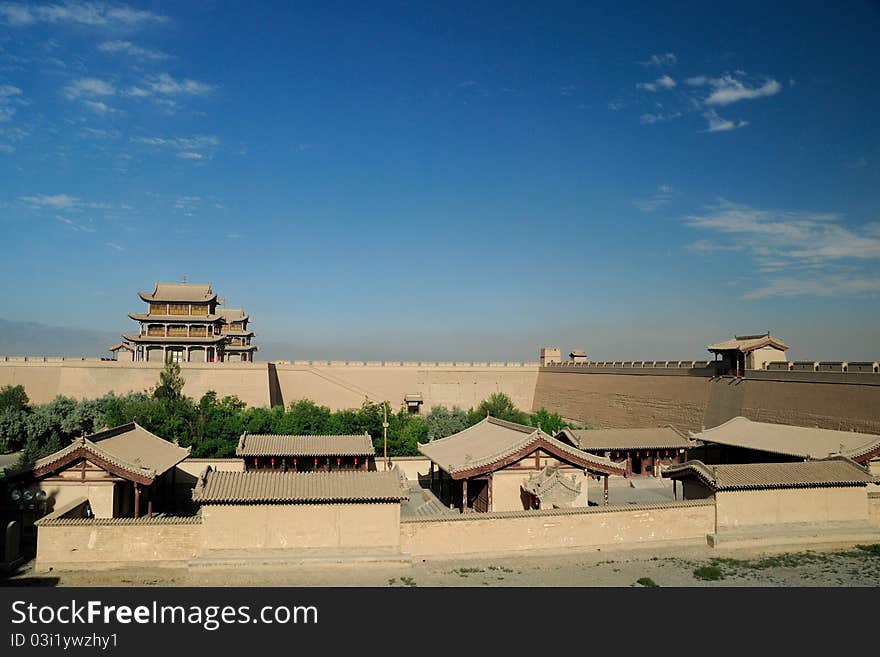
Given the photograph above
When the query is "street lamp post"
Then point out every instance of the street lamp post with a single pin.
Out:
(385, 433)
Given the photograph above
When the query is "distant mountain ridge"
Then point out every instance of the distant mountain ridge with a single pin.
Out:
(35, 339)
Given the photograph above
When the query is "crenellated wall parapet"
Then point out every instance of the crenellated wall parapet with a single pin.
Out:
(445, 365)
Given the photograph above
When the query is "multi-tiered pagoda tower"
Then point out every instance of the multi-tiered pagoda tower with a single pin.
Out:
(184, 324)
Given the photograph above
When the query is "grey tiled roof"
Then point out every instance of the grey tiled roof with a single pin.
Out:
(129, 447)
(287, 445)
(837, 471)
(256, 487)
(607, 439)
(492, 440)
(789, 440)
(747, 343)
(182, 292)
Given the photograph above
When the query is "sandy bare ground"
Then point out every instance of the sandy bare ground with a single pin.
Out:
(668, 566)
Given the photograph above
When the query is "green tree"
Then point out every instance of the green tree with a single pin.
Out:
(500, 406)
(14, 411)
(14, 397)
(305, 417)
(170, 387)
(441, 422)
(550, 423)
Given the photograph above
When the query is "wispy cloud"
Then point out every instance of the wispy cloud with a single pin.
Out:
(89, 87)
(656, 117)
(662, 59)
(717, 124)
(733, 88)
(823, 286)
(801, 253)
(663, 82)
(73, 225)
(61, 202)
(56, 201)
(132, 50)
(82, 13)
(165, 85)
(188, 204)
(9, 97)
(232, 236)
(662, 196)
(115, 246)
(190, 148)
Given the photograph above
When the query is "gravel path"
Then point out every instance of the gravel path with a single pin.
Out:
(680, 566)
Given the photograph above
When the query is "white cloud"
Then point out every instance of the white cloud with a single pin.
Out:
(83, 13)
(7, 90)
(663, 82)
(232, 236)
(648, 118)
(718, 124)
(115, 246)
(6, 148)
(728, 89)
(663, 59)
(6, 113)
(192, 144)
(99, 107)
(57, 201)
(88, 87)
(806, 253)
(823, 286)
(132, 50)
(662, 196)
(189, 155)
(83, 228)
(165, 85)
(60, 202)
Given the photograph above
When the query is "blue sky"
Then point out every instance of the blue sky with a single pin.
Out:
(416, 182)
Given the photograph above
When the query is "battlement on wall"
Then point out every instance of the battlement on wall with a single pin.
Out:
(710, 368)
(405, 364)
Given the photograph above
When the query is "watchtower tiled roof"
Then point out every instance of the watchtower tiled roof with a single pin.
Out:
(180, 292)
(746, 343)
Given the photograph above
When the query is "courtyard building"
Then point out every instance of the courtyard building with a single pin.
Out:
(639, 451)
(289, 453)
(833, 490)
(487, 467)
(123, 472)
(740, 440)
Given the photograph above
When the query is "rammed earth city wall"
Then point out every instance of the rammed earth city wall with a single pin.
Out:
(330, 383)
(691, 400)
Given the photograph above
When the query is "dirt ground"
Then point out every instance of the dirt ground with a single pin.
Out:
(680, 566)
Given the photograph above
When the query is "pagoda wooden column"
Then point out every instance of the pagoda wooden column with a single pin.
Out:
(605, 490)
(463, 495)
(137, 500)
(489, 492)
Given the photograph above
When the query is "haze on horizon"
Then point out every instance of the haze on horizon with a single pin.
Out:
(445, 183)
